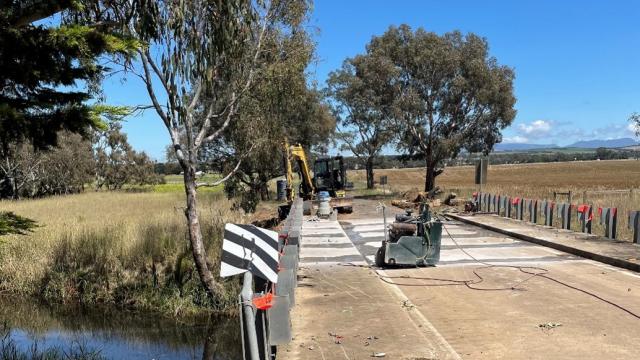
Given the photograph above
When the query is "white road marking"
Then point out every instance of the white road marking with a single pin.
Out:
(319, 240)
(320, 231)
(373, 244)
(325, 252)
(314, 233)
(366, 228)
(372, 234)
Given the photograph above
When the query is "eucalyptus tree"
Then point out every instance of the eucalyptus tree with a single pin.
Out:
(453, 94)
(200, 58)
(363, 92)
(281, 105)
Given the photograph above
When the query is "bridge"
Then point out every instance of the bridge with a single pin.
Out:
(491, 296)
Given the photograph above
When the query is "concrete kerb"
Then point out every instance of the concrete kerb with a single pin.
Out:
(621, 263)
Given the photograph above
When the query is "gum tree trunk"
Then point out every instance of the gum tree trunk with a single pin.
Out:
(195, 233)
(369, 169)
(430, 178)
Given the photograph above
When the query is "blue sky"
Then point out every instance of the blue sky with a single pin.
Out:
(577, 63)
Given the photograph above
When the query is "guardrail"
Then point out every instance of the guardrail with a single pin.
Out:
(607, 216)
(265, 307)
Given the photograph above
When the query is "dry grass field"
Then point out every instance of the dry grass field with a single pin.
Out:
(536, 181)
(126, 249)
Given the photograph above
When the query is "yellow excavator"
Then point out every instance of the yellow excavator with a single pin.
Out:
(329, 175)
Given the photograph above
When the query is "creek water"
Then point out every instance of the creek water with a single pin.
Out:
(115, 334)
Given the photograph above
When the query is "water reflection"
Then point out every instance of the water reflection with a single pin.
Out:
(119, 334)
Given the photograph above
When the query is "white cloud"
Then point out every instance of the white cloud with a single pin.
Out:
(515, 139)
(536, 129)
(633, 129)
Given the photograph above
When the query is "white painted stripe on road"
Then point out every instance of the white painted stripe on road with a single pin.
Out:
(327, 252)
(370, 221)
(446, 240)
(373, 244)
(459, 231)
(492, 253)
(371, 258)
(324, 263)
(366, 228)
(319, 231)
(315, 240)
(523, 262)
(313, 234)
(320, 225)
(372, 234)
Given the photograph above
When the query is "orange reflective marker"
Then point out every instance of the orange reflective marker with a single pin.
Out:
(263, 302)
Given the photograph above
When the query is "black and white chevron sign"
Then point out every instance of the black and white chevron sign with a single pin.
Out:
(249, 248)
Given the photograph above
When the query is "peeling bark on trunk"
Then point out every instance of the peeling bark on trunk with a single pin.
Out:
(195, 234)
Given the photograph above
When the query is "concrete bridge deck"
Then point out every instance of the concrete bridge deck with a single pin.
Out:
(348, 310)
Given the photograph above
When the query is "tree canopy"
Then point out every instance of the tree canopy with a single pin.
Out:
(452, 94)
(363, 92)
(48, 75)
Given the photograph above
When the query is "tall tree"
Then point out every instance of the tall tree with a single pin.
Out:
(453, 94)
(363, 91)
(200, 59)
(281, 106)
(43, 70)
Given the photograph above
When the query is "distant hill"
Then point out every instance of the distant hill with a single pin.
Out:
(587, 144)
(613, 143)
(522, 147)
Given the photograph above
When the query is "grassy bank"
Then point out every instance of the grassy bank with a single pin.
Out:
(537, 181)
(123, 249)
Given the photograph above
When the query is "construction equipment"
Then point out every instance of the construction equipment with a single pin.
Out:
(329, 175)
(410, 240)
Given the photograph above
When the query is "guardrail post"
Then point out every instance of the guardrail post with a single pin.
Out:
(547, 211)
(609, 218)
(532, 207)
(634, 224)
(564, 213)
(519, 208)
(585, 216)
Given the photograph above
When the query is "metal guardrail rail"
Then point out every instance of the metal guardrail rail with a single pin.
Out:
(587, 213)
(263, 329)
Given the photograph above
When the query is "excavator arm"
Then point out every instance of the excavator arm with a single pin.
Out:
(297, 154)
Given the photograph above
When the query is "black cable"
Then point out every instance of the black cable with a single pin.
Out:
(542, 273)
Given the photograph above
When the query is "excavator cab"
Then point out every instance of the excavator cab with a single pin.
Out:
(329, 175)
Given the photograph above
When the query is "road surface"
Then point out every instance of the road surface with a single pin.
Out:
(502, 313)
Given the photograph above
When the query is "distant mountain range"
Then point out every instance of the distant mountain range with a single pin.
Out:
(588, 144)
